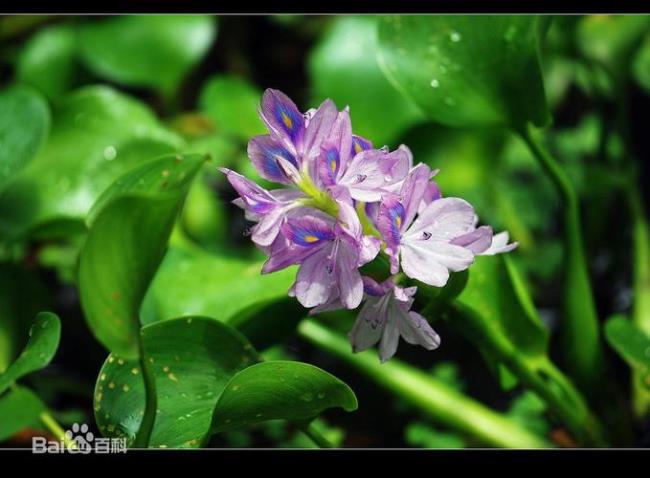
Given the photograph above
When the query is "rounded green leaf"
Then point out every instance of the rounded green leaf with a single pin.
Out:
(468, 70)
(97, 134)
(47, 62)
(129, 229)
(43, 342)
(231, 103)
(192, 359)
(279, 390)
(19, 409)
(149, 51)
(343, 66)
(24, 124)
(632, 344)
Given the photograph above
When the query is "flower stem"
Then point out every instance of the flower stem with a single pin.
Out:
(581, 331)
(536, 372)
(317, 437)
(55, 429)
(151, 402)
(436, 399)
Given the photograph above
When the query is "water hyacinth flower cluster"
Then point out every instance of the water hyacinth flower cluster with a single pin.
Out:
(341, 203)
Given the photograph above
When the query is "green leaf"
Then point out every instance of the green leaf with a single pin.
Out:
(632, 344)
(468, 70)
(343, 66)
(97, 135)
(129, 229)
(232, 103)
(24, 124)
(149, 51)
(22, 296)
(192, 359)
(279, 389)
(196, 363)
(193, 282)
(496, 294)
(40, 349)
(19, 409)
(48, 60)
(641, 65)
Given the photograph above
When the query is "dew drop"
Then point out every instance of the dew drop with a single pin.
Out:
(110, 153)
(435, 83)
(455, 37)
(125, 387)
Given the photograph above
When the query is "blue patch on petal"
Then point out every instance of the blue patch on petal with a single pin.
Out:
(396, 215)
(360, 144)
(289, 119)
(309, 237)
(270, 164)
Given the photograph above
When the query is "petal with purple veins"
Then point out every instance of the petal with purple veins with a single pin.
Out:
(416, 330)
(500, 244)
(308, 231)
(430, 261)
(265, 153)
(314, 281)
(477, 241)
(283, 119)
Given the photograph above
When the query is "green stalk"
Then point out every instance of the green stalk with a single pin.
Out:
(436, 399)
(55, 429)
(151, 402)
(537, 373)
(581, 331)
(641, 285)
(317, 437)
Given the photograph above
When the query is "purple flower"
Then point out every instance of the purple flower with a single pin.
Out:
(329, 259)
(424, 246)
(341, 198)
(268, 207)
(385, 316)
(500, 244)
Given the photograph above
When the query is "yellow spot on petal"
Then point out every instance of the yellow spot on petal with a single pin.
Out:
(357, 148)
(286, 120)
(398, 221)
(310, 238)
